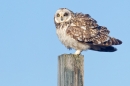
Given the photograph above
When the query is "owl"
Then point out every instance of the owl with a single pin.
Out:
(81, 32)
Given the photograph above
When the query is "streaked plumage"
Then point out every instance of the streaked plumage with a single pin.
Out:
(81, 32)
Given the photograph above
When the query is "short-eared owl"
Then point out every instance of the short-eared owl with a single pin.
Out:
(81, 32)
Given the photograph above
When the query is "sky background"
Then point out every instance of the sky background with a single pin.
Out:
(29, 47)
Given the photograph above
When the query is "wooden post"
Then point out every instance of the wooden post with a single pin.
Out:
(71, 70)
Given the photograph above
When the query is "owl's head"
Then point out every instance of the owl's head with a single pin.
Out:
(63, 15)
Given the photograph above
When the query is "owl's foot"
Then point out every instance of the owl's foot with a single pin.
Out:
(77, 52)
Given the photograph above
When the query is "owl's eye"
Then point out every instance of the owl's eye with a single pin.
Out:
(66, 14)
(58, 15)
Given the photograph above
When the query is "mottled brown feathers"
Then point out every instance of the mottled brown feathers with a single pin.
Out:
(87, 30)
(81, 32)
(93, 36)
(84, 20)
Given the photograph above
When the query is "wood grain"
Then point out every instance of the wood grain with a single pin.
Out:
(70, 70)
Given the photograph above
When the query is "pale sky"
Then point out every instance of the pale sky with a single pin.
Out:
(29, 47)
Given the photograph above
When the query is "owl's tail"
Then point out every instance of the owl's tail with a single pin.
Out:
(103, 48)
(106, 46)
(112, 41)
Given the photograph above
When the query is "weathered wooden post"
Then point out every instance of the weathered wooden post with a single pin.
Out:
(71, 70)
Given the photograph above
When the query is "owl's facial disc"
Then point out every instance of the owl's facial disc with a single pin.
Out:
(62, 15)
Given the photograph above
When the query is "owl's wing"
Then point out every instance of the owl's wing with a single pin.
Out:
(86, 30)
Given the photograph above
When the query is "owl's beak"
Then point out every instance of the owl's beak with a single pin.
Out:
(61, 18)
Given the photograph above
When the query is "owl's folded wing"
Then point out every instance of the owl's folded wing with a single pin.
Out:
(95, 36)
